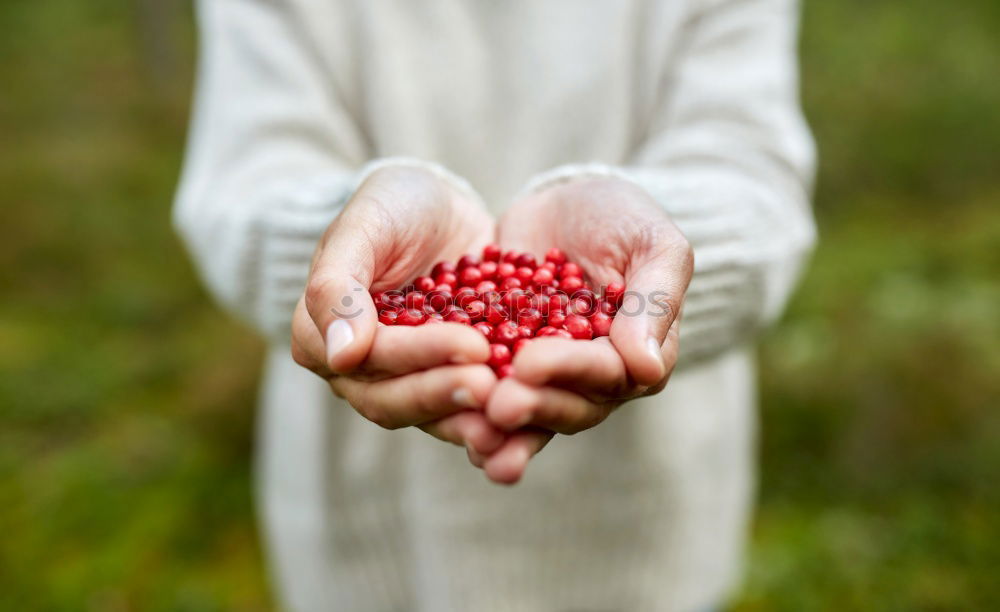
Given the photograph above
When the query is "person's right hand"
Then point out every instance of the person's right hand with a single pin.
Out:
(399, 222)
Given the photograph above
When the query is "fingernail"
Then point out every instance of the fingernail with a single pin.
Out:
(653, 347)
(464, 397)
(338, 336)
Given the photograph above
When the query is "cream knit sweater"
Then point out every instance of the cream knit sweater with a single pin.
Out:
(695, 100)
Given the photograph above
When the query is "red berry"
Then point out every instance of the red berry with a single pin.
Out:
(458, 316)
(506, 333)
(530, 318)
(469, 276)
(496, 313)
(464, 296)
(411, 316)
(570, 269)
(571, 284)
(516, 299)
(601, 324)
(476, 309)
(499, 355)
(526, 260)
(558, 301)
(520, 344)
(557, 318)
(486, 287)
(388, 317)
(446, 278)
(578, 327)
(434, 317)
(510, 257)
(442, 267)
(415, 300)
(505, 370)
(505, 270)
(555, 256)
(606, 307)
(424, 283)
(614, 293)
(467, 261)
(491, 252)
(485, 329)
(543, 276)
(510, 283)
(393, 300)
(524, 331)
(546, 331)
(488, 270)
(524, 275)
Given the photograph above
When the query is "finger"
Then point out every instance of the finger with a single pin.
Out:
(404, 349)
(593, 368)
(475, 458)
(513, 405)
(507, 465)
(418, 398)
(656, 286)
(337, 297)
(469, 429)
(308, 348)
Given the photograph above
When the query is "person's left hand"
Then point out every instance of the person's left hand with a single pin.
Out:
(617, 233)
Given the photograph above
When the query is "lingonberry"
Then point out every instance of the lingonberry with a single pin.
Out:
(557, 318)
(510, 257)
(526, 260)
(499, 355)
(543, 276)
(388, 317)
(476, 309)
(446, 278)
(505, 269)
(467, 261)
(496, 313)
(520, 344)
(465, 295)
(434, 317)
(424, 283)
(442, 267)
(458, 316)
(506, 333)
(578, 327)
(530, 318)
(485, 287)
(556, 256)
(510, 283)
(415, 300)
(524, 331)
(570, 269)
(614, 293)
(570, 284)
(488, 270)
(505, 370)
(524, 274)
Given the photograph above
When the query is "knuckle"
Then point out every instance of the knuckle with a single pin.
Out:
(315, 292)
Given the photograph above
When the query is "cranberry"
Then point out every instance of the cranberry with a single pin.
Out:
(469, 276)
(543, 276)
(530, 318)
(505, 370)
(524, 331)
(434, 317)
(486, 287)
(526, 260)
(424, 283)
(557, 318)
(415, 300)
(411, 316)
(510, 257)
(467, 261)
(571, 284)
(578, 327)
(446, 278)
(570, 269)
(476, 310)
(555, 256)
(558, 301)
(465, 295)
(393, 299)
(551, 267)
(510, 283)
(499, 355)
(614, 293)
(516, 299)
(388, 317)
(485, 329)
(606, 307)
(601, 324)
(491, 252)
(505, 270)
(488, 270)
(458, 316)
(506, 333)
(496, 313)
(524, 274)
(442, 267)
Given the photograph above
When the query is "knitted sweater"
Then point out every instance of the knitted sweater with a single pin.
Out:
(694, 100)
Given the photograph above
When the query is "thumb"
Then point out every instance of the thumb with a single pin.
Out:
(652, 302)
(338, 301)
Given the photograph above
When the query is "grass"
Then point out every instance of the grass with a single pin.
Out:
(126, 397)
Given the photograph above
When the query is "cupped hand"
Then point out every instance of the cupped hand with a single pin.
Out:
(617, 233)
(399, 222)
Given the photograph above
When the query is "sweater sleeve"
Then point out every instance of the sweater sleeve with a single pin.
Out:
(274, 153)
(729, 155)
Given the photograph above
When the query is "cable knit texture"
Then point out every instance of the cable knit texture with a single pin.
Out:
(695, 101)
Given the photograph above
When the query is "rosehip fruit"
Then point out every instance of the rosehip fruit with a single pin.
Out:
(578, 327)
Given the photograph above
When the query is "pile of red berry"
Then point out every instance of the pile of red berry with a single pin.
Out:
(509, 297)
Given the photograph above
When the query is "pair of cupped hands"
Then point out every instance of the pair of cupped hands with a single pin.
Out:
(401, 221)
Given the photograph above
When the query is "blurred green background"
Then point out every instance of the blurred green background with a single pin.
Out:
(125, 397)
